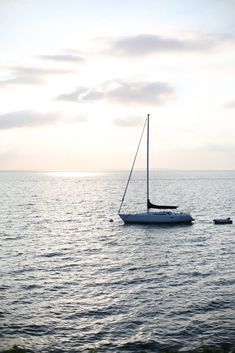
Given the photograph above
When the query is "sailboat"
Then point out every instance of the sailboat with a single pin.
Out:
(165, 215)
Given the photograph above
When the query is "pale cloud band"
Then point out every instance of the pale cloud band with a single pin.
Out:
(144, 44)
(27, 118)
(221, 148)
(230, 105)
(69, 58)
(30, 75)
(123, 92)
(130, 121)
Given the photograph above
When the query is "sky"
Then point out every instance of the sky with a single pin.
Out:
(78, 78)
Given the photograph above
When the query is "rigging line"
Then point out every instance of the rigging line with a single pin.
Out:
(133, 164)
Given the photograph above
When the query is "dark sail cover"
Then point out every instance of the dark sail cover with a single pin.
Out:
(161, 207)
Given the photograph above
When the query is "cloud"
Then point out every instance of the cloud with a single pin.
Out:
(221, 148)
(93, 95)
(25, 119)
(31, 75)
(63, 58)
(230, 105)
(123, 92)
(144, 44)
(130, 121)
(28, 118)
(139, 92)
(73, 96)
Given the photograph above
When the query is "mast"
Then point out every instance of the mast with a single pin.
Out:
(147, 161)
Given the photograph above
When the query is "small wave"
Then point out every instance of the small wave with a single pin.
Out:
(8, 237)
(195, 274)
(30, 330)
(31, 286)
(140, 346)
(52, 254)
(216, 305)
(224, 282)
(23, 270)
(94, 313)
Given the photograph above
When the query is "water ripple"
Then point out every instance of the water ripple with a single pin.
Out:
(72, 281)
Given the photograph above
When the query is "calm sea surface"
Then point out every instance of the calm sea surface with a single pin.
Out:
(71, 280)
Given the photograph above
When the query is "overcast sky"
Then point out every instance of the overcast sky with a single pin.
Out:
(77, 79)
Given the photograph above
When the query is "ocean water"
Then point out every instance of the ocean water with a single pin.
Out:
(71, 280)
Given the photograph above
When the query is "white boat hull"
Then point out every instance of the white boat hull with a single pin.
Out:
(157, 218)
